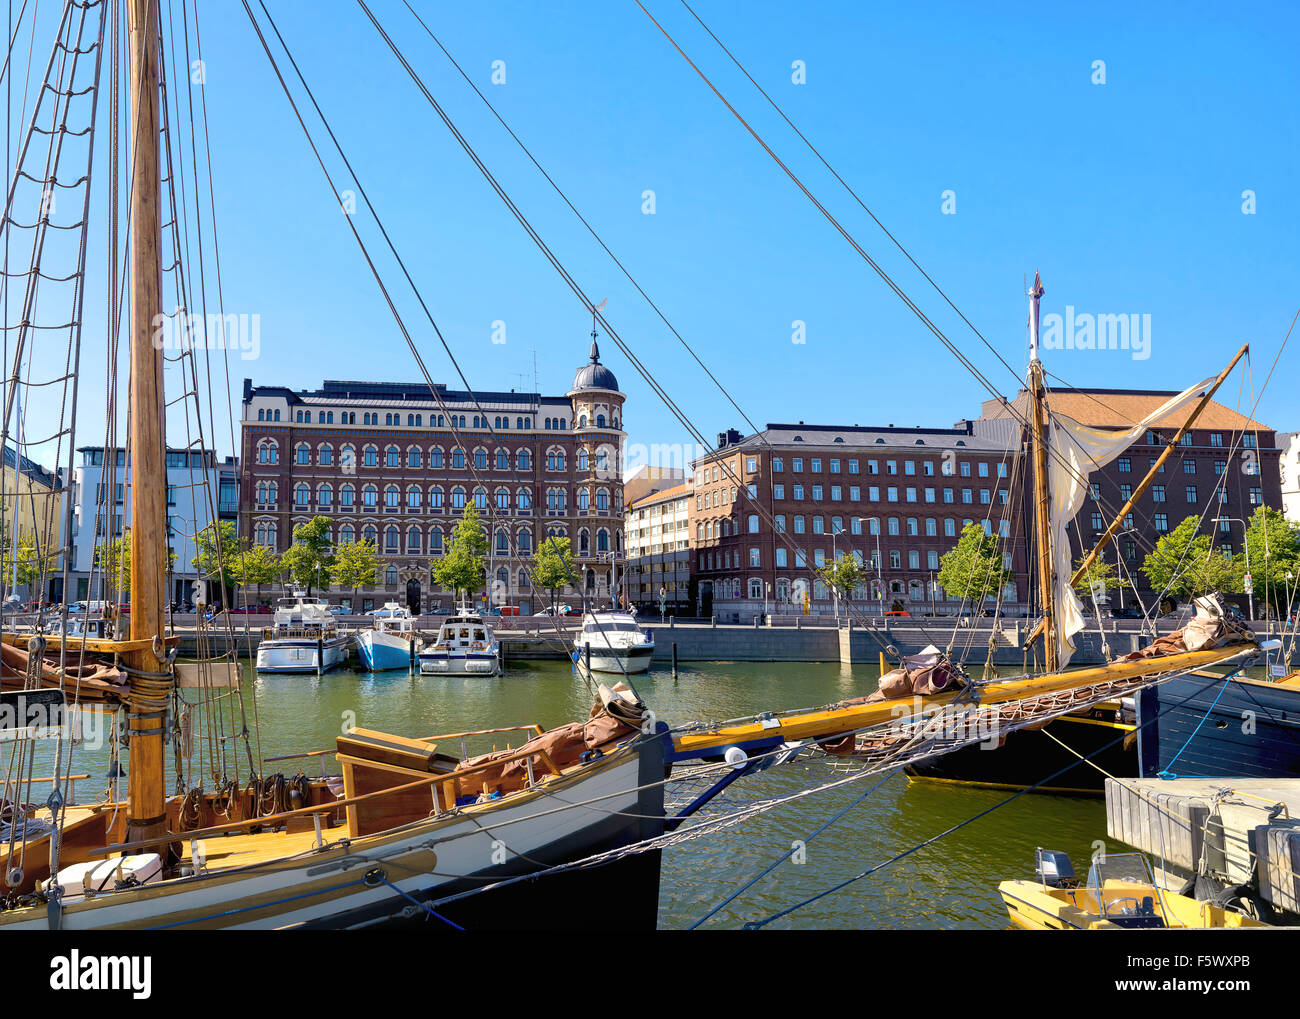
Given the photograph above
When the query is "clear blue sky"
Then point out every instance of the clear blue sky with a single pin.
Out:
(1127, 196)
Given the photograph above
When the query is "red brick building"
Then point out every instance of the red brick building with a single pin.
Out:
(768, 509)
(388, 462)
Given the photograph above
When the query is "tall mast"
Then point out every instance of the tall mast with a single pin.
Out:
(1042, 518)
(146, 811)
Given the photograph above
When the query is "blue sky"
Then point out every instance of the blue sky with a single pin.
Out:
(1127, 196)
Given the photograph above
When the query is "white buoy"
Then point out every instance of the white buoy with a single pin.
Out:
(736, 757)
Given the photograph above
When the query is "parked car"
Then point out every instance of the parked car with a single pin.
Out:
(897, 612)
(340, 610)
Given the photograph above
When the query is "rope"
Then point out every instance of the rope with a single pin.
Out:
(1165, 772)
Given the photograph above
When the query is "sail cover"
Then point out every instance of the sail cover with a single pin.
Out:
(1074, 451)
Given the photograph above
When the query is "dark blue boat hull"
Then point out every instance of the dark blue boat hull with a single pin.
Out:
(1200, 725)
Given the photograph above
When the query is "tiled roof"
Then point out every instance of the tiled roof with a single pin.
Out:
(676, 492)
(1121, 408)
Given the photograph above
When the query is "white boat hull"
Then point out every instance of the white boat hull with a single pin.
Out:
(619, 661)
(294, 654)
(381, 651)
(457, 662)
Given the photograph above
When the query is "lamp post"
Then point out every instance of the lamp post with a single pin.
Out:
(1250, 583)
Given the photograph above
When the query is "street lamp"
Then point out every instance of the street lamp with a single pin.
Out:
(1250, 584)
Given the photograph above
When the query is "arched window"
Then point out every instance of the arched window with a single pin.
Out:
(435, 542)
(600, 420)
(503, 542)
(524, 500)
(480, 498)
(391, 540)
(435, 456)
(413, 497)
(413, 456)
(347, 535)
(583, 460)
(301, 496)
(458, 459)
(324, 496)
(602, 500)
(390, 576)
(525, 541)
(302, 453)
(503, 460)
(392, 497)
(584, 500)
(347, 496)
(325, 455)
(457, 498)
(392, 456)
(524, 460)
(370, 534)
(502, 496)
(413, 541)
(369, 496)
(602, 540)
(584, 542)
(480, 459)
(370, 456)
(435, 499)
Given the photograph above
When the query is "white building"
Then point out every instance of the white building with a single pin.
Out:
(101, 494)
(659, 551)
(1289, 444)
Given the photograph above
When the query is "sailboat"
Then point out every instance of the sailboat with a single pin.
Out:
(416, 829)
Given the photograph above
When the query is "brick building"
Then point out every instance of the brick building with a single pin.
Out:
(896, 498)
(1223, 469)
(390, 463)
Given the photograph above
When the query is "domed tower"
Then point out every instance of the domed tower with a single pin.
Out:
(597, 539)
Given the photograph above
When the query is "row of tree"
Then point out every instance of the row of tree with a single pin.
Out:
(312, 560)
(1184, 564)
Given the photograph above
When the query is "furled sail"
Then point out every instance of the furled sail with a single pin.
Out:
(1075, 450)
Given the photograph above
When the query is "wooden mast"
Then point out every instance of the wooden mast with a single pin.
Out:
(146, 811)
(1042, 518)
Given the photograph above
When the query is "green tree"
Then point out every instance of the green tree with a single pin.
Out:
(256, 565)
(28, 562)
(217, 547)
(309, 558)
(1100, 577)
(553, 567)
(1273, 550)
(355, 565)
(113, 560)
(844, 574)
(1185, 565)
(973, 568)
(461, 569)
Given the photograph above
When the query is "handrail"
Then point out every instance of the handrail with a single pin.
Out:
(423, 739)
(326, 808)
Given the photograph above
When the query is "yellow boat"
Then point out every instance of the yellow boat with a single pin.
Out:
(1120, 894)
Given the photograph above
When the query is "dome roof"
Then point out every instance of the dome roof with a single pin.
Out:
(595, 375)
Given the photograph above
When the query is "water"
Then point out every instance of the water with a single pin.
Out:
(951, 884)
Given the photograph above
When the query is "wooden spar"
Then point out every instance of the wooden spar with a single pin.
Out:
(146, 811)
(813, 725)
(1042, 516)
(1155, 469)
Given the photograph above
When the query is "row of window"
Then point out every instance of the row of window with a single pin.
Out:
(266, 494)
(602, 460)
(415, 542)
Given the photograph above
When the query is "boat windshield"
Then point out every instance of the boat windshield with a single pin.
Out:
(1120, 882)
(619, 627)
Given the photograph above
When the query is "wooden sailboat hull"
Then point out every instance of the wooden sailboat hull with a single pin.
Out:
(382, 880)
(1028, 756)
(1200, 725)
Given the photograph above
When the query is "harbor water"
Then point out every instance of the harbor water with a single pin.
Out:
(950, 884)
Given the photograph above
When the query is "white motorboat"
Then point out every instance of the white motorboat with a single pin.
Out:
(466, 646)
(617, 644)
(303, 637)
(390, 643)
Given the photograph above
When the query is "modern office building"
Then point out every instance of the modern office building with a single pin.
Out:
(101, 496)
